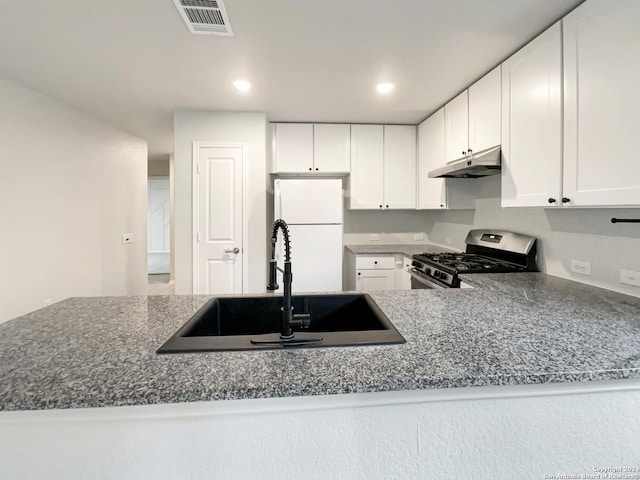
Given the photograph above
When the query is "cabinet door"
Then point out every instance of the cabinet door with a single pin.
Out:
(485, 100)
(431, 191)
(332, 148)
(531, 123)
(400, 166)
(456, 122)
(602, 104)
(405, 277)
(372, 280)
(294, 147)
(367, 150)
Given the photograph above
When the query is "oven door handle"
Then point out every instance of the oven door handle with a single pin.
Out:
(422, 278)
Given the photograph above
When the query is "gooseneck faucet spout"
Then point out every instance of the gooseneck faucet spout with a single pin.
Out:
(287, 310)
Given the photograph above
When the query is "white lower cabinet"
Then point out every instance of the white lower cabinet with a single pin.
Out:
(380, 272)
(372, 280)
(403, 277)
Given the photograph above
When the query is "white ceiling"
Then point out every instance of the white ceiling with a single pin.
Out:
(133, 62)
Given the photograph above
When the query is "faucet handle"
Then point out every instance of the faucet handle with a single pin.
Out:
(302, 320)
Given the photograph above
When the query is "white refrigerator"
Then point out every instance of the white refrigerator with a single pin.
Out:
(313, 210)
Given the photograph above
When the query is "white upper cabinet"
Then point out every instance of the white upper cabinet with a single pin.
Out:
(293, 147)
(485, 100)
(531, 123)
(332, 147)
(431, 155)
(472, 119)
(439, 193)
(399, 166)
(383, 167)
(310, 149)
(367, 151)
(456, 121)
(602, 104)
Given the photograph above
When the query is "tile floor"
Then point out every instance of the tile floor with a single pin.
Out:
(160, 284)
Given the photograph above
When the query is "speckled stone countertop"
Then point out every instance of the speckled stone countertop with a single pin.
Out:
(512, 329)
(405, 249)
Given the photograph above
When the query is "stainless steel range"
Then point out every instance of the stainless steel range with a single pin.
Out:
(488, 251)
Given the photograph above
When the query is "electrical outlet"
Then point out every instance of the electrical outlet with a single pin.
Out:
(448, 240)
(47, 301)
(583, 268)
(374, 237)
(418, 236)
(127, 238)
(629, 277)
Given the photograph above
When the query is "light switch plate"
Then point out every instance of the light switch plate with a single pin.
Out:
(629, 277)
(127, 238)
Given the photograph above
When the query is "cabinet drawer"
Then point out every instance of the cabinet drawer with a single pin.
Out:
(375, 262)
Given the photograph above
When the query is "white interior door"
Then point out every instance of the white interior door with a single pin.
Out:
(218, 248)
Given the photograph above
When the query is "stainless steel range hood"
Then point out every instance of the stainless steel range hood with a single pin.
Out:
(481, 164)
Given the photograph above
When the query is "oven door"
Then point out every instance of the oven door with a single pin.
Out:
(420, 281)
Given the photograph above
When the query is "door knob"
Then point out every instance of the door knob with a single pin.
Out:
(232, 250)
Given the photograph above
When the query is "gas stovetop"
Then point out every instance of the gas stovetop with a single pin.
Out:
(488, 251)
(468, 263)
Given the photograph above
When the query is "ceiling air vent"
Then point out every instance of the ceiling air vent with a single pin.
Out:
(205, 16)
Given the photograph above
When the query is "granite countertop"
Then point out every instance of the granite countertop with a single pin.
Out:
(405, 249)
(517, 328)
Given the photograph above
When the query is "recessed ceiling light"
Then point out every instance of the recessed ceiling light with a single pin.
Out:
(385, 87)
(242, 85)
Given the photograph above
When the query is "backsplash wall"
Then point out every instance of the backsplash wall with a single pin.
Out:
(563, 234)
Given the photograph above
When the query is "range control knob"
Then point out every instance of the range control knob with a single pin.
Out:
(415, 264)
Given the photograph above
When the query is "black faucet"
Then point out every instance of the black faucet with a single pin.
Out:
(288, 318)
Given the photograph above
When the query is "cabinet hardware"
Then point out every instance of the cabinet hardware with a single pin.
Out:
(316, 169)
(470, 151)
(464, 153)
(552, 200)
(309, 169)
(387, 206)
(625, 220)
(380, 206)
(565, 200)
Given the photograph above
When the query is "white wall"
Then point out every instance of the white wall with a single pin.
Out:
(564, 234)
(509, 432)
(222, 127)
(69, 187)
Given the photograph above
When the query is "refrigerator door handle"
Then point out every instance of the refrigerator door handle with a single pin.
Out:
(278, 199)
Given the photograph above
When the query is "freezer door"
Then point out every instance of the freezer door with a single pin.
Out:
(316, 258)
(308, 201)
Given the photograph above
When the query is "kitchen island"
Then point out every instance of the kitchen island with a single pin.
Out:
(521, 356)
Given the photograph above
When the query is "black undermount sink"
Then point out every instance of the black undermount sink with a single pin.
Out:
(253, 323)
